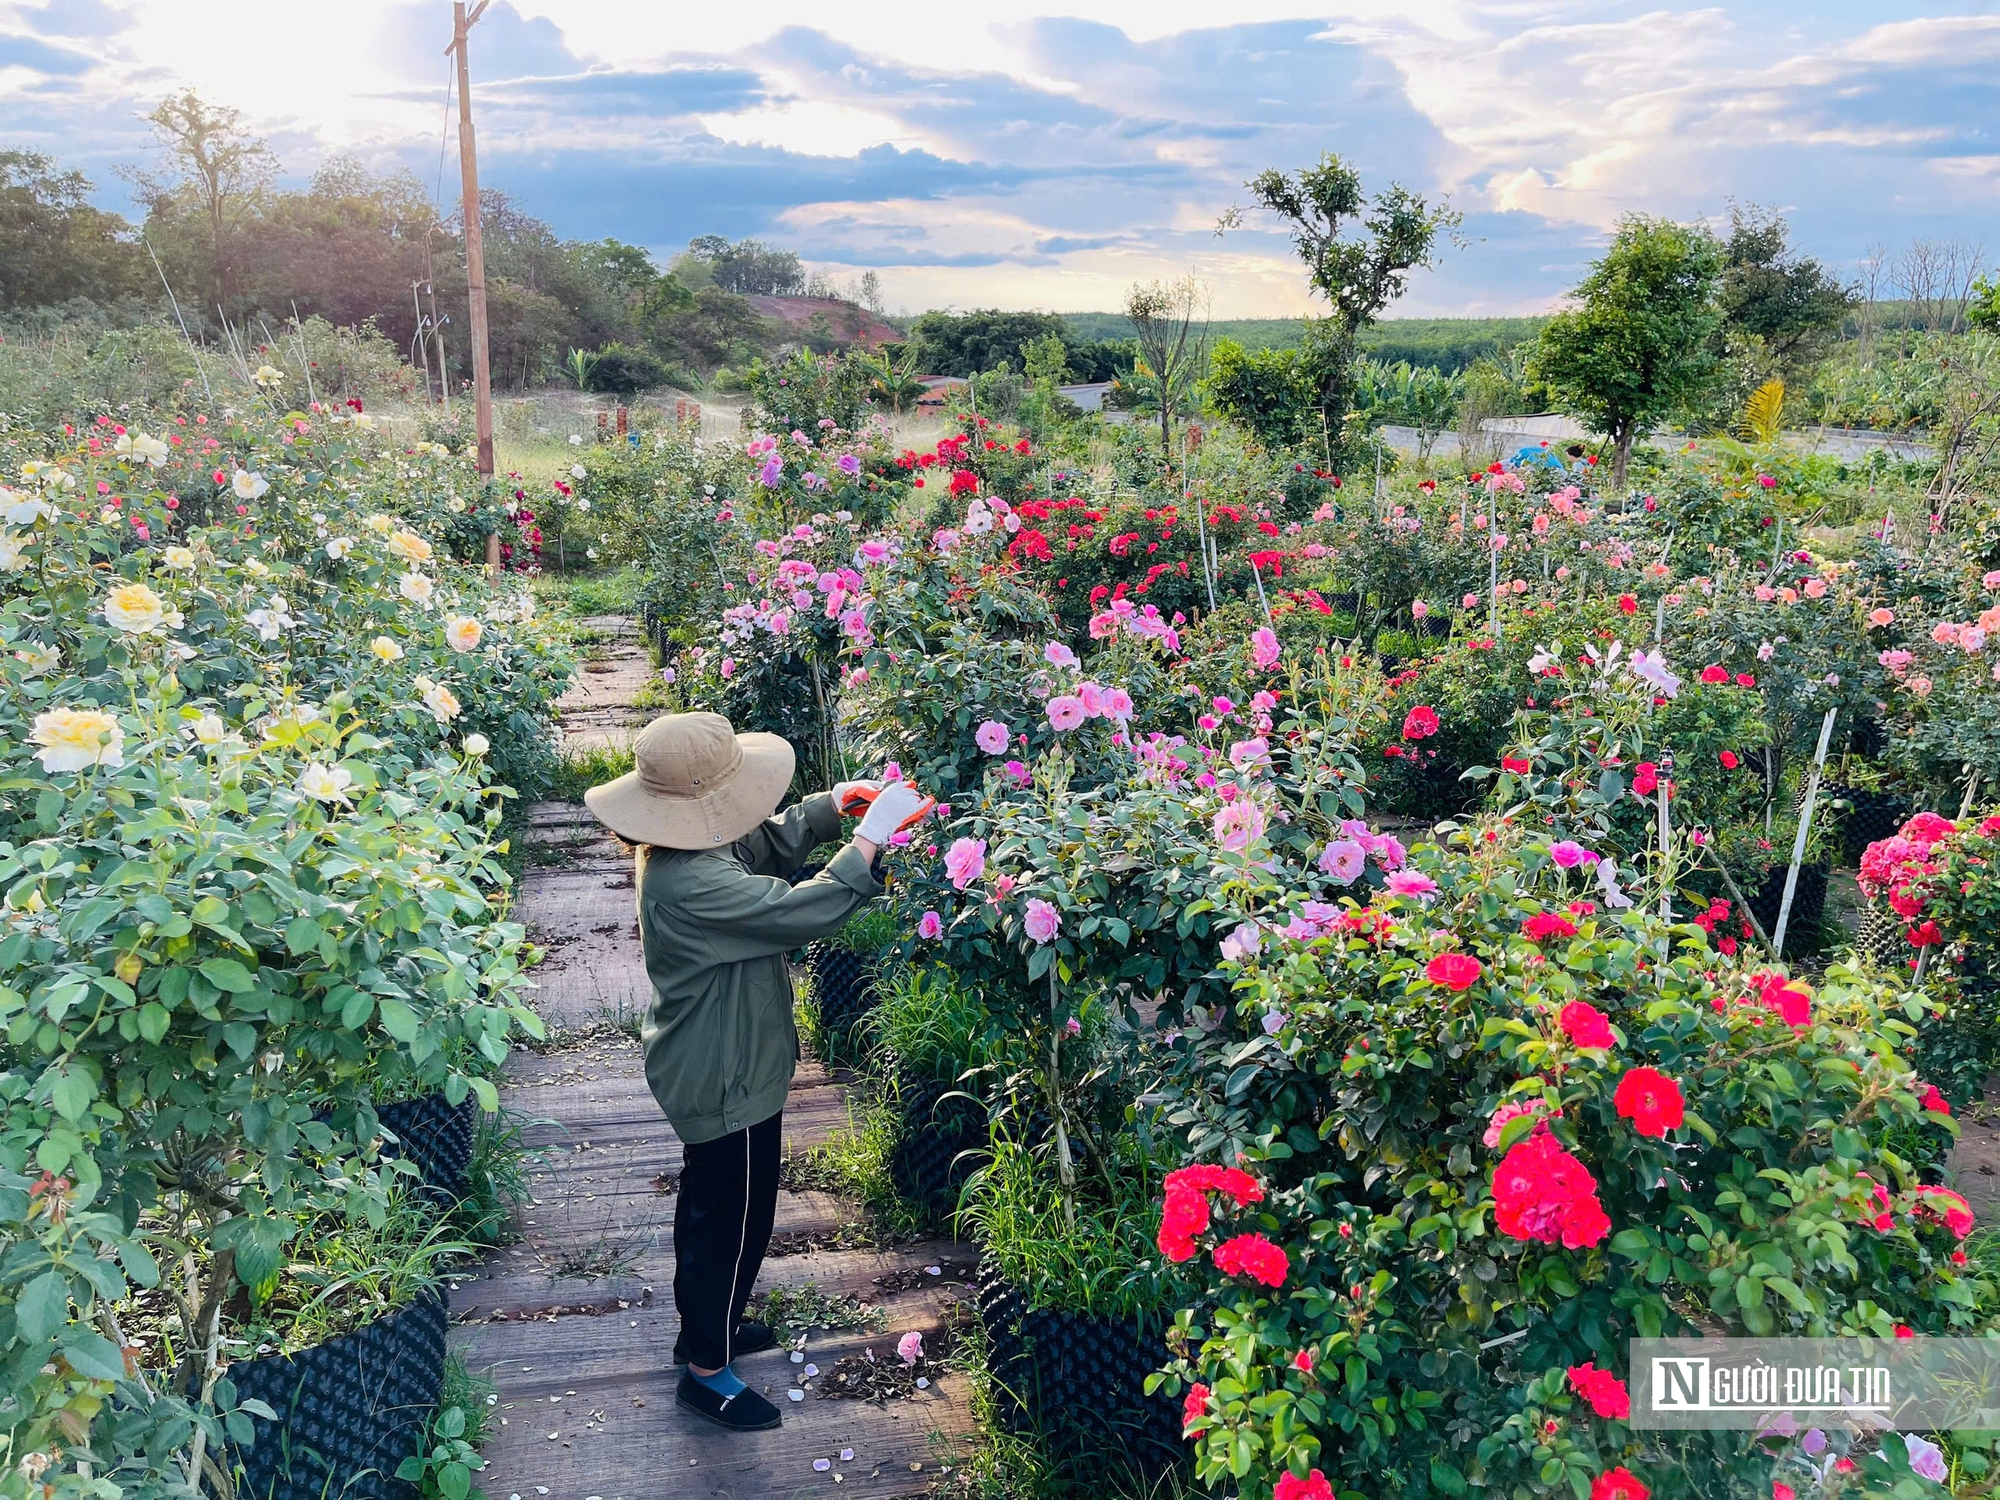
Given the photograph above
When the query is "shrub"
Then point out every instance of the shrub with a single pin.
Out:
(1493, 1130)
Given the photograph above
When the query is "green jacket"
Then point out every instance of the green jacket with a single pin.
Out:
(715, 926)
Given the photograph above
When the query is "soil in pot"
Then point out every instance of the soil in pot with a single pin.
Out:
(1868, 817)
(348, 1410)
(1078, 1380)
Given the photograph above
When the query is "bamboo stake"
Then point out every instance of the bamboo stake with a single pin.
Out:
(174, 302)
(1805, 829)
(1258, 574)
(1201, 528)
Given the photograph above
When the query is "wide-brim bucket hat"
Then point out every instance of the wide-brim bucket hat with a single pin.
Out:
(695, 783)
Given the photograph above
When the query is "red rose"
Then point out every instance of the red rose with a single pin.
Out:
(1745, 679)
(1541, 1192)
(1715, 674)
(1645, 779)
(1586, 1025)
(1903, 1331)
(1728, 759)
(1420, 723)
(1254, 1256)
(1627, 605)
(1604, 1391)
(1314, 1486)
(1544, 924)
(1651, 1101)
(1195, 1407)
(1619, 1484)
(1935, 1102)
(1516, 765)
(1457, 972)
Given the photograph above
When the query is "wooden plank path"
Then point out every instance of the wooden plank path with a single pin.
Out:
(575, 1321)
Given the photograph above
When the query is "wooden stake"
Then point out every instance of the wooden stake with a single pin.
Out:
(1799, 839)
(475, 255)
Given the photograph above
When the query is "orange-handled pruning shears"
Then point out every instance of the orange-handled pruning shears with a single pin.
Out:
(860, 798)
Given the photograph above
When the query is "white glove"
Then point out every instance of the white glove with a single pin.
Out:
(896, 804)
(845, 796)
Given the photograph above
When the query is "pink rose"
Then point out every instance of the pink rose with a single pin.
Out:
(1043, 921)
(991, 736)
(930, 926)
(1066, 711)
(965, 862)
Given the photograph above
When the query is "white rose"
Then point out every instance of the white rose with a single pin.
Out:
(416, 588)
(326, 783)
(475, 744)
(249, 486)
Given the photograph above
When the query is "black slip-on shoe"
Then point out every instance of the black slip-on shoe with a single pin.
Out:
(746, 1411)
(752, 1337)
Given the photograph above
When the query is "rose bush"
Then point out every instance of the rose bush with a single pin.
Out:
(248, 840)
(1499, 1129)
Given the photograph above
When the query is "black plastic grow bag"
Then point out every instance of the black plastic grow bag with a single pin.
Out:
(1808, 900)
(348, 1410)
(434, 1137)
(1075, 1378)
(843, 988)
(929, 1163)
(1869, 816)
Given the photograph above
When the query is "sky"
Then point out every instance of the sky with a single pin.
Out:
(1035, 153)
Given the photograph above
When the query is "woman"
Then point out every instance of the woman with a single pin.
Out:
(716, 918)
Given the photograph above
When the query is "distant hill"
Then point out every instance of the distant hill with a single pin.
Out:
(847, 321)
(1446, 343)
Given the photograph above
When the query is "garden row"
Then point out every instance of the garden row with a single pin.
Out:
(256, 971)
(1340, 980)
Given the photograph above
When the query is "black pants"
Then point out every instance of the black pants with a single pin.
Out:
(722, 1226)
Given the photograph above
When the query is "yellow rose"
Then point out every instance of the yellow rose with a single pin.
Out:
(178, 557)
(134, 608)
(72, 738)
(381, 525)
(438, 699)
(410, 547)
(462, 632)
(416, 588)
(386, 649)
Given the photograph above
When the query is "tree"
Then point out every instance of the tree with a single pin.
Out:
(623, 370)
(1268, 391)
(750, 268)
(892, 379)
(1770, 292)
(984, 339)
(1171, 318)
(224, 173)
(53, 245)
(1357, 275)
(1640, 345)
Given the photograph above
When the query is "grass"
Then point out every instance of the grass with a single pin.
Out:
(497, 1179)
(348, 1272)
(854, 1164)
(581, 595)
(577, 772)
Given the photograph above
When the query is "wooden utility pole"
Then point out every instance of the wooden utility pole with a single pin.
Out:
(475, 258)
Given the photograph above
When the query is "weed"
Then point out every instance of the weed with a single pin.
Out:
(794, 1311)
(443, 1466)
(496, 1179)
(577, 772)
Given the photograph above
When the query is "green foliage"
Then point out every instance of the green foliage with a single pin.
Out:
(443, 1467)
(1269, 391)
(247, 888)
(624, 370)
(1370, 1115)
(1636, 350)
(798, 393)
